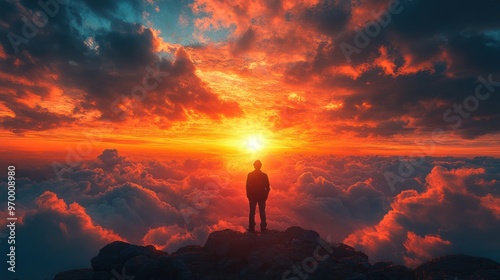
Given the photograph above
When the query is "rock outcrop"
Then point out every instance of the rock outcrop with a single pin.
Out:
(296, 254)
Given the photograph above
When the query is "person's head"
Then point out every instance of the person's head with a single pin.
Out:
(257, 165)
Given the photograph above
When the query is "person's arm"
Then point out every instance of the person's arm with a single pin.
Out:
(267, 186)
(248, 184)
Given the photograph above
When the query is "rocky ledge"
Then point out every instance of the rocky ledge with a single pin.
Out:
(294, 254)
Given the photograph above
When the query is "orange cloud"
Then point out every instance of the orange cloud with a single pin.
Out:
(3, 55)
(433, 212)
(159, 43)
(386, 63)
(48, 201)
(492, 203)
(168, 237)
(420, 249)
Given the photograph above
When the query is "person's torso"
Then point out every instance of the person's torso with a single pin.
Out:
(257, 181)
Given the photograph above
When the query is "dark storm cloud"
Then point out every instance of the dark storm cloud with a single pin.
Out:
(115, 67)
(383, 128)
(434, 51)
(127, 46)
(245, 42)
(478, 53)
(35, 119)
(328, 17)
(427, 18)
(109, 8)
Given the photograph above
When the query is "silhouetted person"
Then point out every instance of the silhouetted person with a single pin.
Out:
(257, 192)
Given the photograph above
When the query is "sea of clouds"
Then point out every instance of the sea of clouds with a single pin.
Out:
(447, 205)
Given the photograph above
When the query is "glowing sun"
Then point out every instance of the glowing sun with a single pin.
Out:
(255, 143)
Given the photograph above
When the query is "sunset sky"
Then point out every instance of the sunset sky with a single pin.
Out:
(289, 72)
(104, 104)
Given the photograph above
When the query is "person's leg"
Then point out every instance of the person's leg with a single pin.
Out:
(262, 212)
(251, 216)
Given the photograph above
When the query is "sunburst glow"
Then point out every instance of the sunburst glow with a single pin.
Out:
(255, 143)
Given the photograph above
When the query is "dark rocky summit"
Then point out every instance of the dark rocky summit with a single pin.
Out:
(294, 254)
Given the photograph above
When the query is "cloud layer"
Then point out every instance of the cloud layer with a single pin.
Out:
(447, 206)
